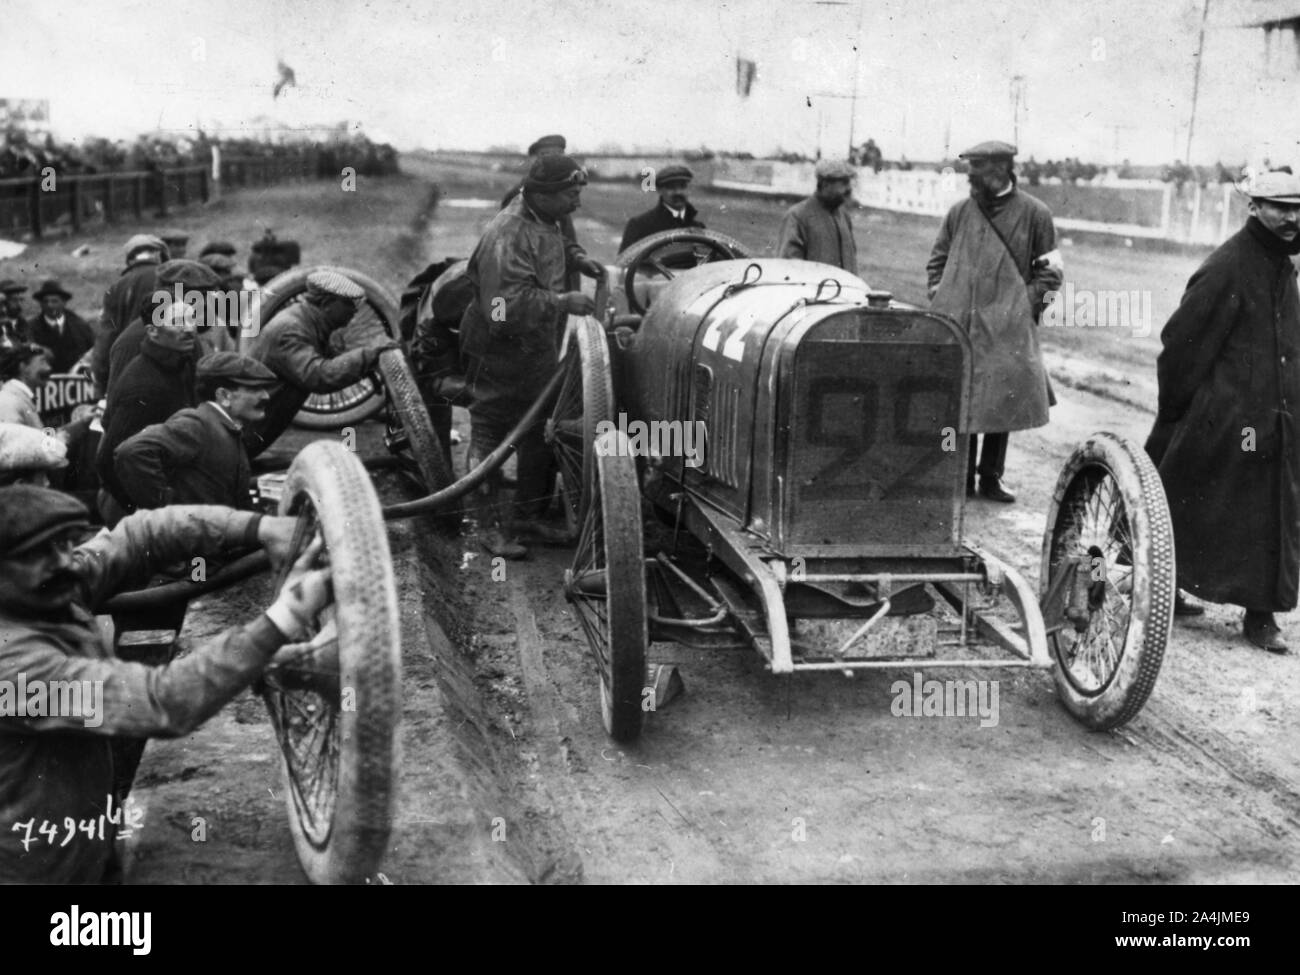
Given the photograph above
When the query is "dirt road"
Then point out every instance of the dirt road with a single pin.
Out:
(507, 774)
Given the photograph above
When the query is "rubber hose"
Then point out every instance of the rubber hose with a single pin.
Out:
(490, 463)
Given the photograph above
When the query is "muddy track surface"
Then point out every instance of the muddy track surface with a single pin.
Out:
(507, 774)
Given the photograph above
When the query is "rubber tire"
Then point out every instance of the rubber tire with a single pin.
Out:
(613, 522)
(370, 664)
(1154, 575)
(406, 407)
(281, 290)
(586, 363)
(638, 252)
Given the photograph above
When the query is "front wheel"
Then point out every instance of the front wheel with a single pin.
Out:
(334, 699)
(606, 586)
(1107, 581)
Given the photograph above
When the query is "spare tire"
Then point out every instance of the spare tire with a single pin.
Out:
(376, 322)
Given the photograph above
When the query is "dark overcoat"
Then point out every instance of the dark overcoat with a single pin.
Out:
(656, 220)
(1224, 440)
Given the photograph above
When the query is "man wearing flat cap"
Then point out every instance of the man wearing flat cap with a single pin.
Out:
(552, 145)
(192, 280)
(509, 337)
(176, 241)
(58, 763)
(152, 386)
(819, 228)
(197, 455)
(28, 455)
(992, 264)
(66, 334)
(1224, 439)
(124, 300)
(13, 328)
(547, 145)
(673, 211)
(295, 345)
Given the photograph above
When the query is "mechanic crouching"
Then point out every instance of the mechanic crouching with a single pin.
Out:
(64, 695)
(295, 345)
(509, 341)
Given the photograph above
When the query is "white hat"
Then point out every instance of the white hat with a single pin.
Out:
(1277, 186)
(24, 448)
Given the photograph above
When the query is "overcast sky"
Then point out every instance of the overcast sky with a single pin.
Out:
(1102, 79)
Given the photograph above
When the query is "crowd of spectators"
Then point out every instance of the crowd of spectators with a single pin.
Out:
(23, 154)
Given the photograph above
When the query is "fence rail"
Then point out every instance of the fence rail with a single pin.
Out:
(34, 204)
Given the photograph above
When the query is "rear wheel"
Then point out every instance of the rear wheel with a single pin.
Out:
(1107, 580)
(411, 435)
(334, 699)
(585, 399)
(375, 322)
(606, 585)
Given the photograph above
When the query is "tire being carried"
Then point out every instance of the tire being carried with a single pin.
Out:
(334, 700)
(1107, 580)
(376, 322)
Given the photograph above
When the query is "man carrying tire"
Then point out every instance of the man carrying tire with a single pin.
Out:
(295, 345)
(1224, 437)
(509, 339)
(65, 695)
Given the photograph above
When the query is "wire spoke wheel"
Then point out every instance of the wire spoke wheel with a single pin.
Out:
(663, 256)
(585, 399)
(375, 321)
(1107, 580)
(333, 698)
(606, 586)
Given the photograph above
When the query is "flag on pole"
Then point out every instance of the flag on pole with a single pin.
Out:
(746, 74)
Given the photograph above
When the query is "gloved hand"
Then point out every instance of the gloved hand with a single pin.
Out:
(305, 593)
(374, 351)
(592, 269)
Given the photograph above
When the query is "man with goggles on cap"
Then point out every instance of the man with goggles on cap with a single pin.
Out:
(509, 339)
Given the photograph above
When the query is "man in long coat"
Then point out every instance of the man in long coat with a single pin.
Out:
(125, 299)
(152, 386)
(819, 228)
(509, 336)
(994, 260)
(1225, 437)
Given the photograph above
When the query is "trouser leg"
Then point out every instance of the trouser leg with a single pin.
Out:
(993, 459)
(533, 483)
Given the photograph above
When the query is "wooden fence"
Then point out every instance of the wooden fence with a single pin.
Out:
(34, 204)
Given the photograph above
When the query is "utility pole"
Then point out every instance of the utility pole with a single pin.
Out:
(1017, 101)
(1196, 82)
(857, 70)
